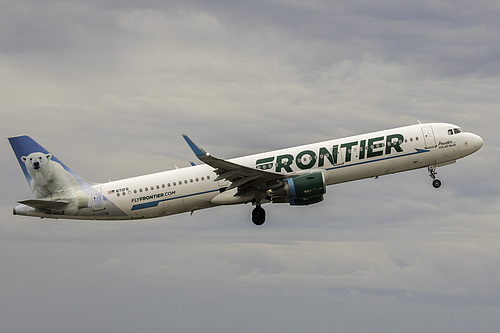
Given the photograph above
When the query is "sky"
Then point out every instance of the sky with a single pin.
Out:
(110, 86)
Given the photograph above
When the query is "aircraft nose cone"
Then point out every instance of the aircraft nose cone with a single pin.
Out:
(473, 143)
(478, 141)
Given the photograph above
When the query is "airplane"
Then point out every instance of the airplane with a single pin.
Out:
(297, 176)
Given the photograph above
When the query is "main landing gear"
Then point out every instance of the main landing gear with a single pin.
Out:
(258, 215)
(432, 172)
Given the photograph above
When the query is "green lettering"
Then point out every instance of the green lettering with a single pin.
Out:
(348, 147)
(264, 160)
(372, 146)
(335, 153)
(362, 149)
(284, 161)
(264, 163)
(391, 143)
(305, 164)
(323, 152)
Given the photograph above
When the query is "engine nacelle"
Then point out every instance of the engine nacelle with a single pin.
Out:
(302, 190)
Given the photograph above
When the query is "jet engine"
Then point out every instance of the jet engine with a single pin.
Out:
(301, 190)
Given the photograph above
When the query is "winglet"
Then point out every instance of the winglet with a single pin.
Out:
(194, 147)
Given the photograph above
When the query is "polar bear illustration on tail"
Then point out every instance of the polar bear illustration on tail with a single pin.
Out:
(49, 178)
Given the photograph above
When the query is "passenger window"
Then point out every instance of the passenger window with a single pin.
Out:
(175, 184)
(202, 178)
(191, 180)
(140, 190)
(208, 177)
(146, 189)
(135, 191)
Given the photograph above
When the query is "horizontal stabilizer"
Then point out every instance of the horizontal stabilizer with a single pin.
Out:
(44, 204)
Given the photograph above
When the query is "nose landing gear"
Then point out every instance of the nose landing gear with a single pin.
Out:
(432, 172)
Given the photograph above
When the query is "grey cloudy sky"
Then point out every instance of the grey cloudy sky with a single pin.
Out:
(109, 87)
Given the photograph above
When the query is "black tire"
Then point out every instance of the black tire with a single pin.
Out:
(258, 215)
(436, 183)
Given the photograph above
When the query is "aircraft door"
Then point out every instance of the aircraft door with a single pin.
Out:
(430, 140)
(97, 199)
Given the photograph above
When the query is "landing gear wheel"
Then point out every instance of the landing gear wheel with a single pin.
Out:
(432, 172)
(258, 215)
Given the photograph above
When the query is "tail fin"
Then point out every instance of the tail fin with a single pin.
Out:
(24, 147)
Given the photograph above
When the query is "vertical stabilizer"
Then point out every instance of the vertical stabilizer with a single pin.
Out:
(47, 176)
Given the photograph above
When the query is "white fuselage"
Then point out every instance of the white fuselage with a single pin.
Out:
(340, 160)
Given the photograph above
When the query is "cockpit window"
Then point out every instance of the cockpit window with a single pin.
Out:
(454, 131)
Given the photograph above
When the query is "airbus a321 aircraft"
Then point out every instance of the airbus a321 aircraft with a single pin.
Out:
(297, 176)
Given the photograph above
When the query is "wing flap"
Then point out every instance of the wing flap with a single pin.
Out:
(227, 175)
(242, 181)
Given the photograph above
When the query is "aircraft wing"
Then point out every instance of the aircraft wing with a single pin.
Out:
(244, 178)
(44, 204)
